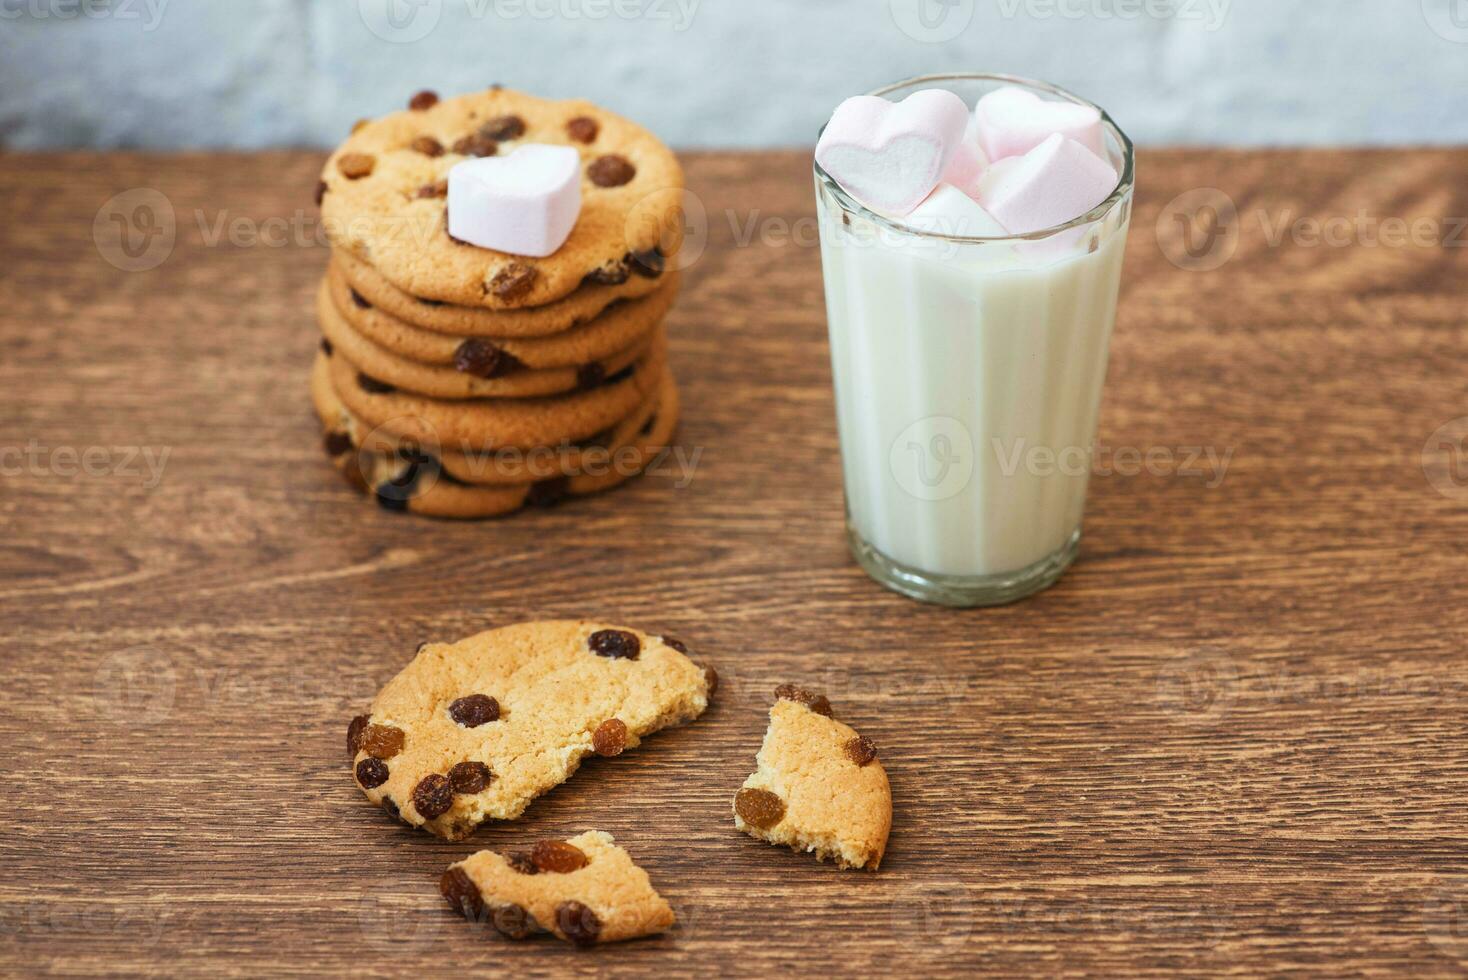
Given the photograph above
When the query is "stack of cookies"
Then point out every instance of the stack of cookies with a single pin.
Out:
(456, 380)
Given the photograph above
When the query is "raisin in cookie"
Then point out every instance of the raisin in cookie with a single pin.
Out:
(818, 786)
(489, 372)
(475, 730)
(585, 890)
(583, 305)
(383, 198)
(619, 327)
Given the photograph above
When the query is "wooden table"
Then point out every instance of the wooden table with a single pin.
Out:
(1231, 740)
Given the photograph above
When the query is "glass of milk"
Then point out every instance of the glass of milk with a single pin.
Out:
(968, 376)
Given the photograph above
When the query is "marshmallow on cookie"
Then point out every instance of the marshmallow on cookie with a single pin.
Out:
(524, 204)
(1015, 165)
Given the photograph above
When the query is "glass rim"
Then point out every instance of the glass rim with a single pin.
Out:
(1122, 190)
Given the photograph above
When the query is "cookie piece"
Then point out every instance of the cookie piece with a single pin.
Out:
(422, 484)
(383, 204)
(475, 730)
(619, 327)
(587, 303)
(485, 424)
(605, 899)
(505, 377)
(817, 787)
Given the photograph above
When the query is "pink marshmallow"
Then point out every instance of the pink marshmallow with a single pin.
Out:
(890, 155)
(1013, 121)
(524, 204)
(968, 162)
(1057, 181)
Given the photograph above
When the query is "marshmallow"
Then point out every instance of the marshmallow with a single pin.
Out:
(524, 204)
(1057, 181)
(968, 162)
(1013, 121)
(949, 211)
(890, 155)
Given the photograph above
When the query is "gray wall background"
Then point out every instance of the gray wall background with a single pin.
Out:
(256, 73)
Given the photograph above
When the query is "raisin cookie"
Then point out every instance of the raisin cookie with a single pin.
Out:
(583, 305)
(495, 423)
(585, 890)
(383, 198)
(818, 785)
(493, 374)
(619, 327)
(422, 484)
(475, 730)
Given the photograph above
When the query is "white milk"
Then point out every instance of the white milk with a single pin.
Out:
(968, 379)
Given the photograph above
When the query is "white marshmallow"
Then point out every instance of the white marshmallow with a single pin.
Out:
(524, 204)
(890, 155)
(949, 211)
(968, 162)
(1013, 121)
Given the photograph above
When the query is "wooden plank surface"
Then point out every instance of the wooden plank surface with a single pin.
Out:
(1231, 740)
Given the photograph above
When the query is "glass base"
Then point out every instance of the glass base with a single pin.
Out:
(963, 590)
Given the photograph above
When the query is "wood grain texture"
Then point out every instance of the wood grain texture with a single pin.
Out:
(1230, 741)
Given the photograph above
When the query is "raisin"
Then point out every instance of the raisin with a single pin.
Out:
(613, 276)
(610, 737)
(815, 702)
(371, 773)
(474, 710)
(439, 188)
(711, 678)
(459, 890)
(476, 145)
(675, 643)
(372, 386)
(483, 359)
(470, 777)
(428, 146)
(382, 741)
(513, 281)
(548, 492)
(582, 129)
(355, 166)
(321, 190)
(860, 750)
(617, 644)
(759, 808)
(588, 376)
(433, 796)
(512, 921)
(578, 923)
(649, 264)
(360, 301)
(557, 856)
(354, 730)
(503, 128)
(521, 862)
(610, 171)
(425, 99)
(337, 444)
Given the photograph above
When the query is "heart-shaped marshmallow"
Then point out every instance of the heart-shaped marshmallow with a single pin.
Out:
(968, 162)
(1055, 182)
(891, 155)
(525, 203)
(1013, 121)
(949, 211)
